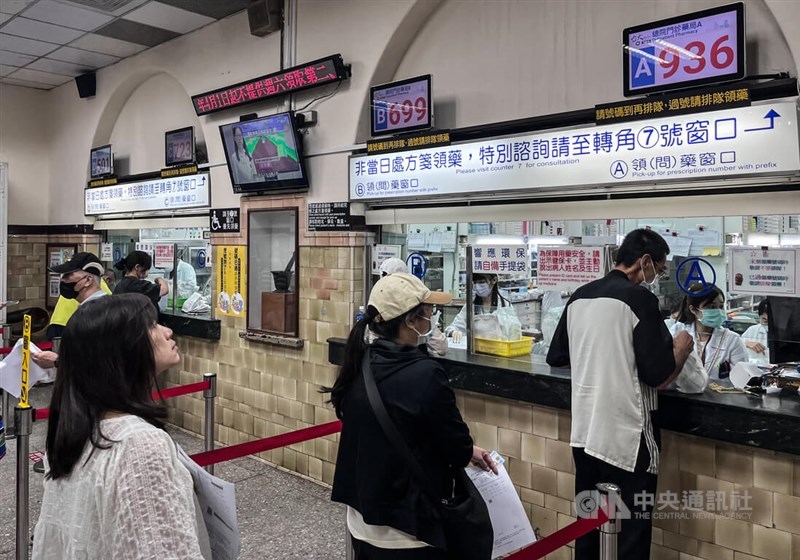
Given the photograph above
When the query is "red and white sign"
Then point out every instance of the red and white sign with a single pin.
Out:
(568, 267)
(164, 256)
(764, 272)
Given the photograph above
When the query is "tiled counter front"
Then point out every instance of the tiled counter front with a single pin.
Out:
(536, 440)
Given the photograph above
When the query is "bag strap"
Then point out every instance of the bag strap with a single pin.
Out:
(392, 433)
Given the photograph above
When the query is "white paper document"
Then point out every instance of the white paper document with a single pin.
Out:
(678, 246)
(217, 499)
(512, 528)
(11, 371)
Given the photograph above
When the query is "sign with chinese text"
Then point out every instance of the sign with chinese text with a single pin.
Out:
(103, 182)
(326, 70)
(106, 251)
(328, 216)
(231, 287)
(500, 259)
(177, 193)
(699, 48)
(434, 140)
(225, 220)
(764, 272)
(164, 256)
(382, 252)
(401, 106)
(754, 141)
(697, 101)
(568, 267)
(178, 171)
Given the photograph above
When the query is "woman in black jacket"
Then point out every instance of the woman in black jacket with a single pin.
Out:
(388, 514)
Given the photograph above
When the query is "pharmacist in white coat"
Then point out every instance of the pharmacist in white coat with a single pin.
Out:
(756, 338)
(718, 348)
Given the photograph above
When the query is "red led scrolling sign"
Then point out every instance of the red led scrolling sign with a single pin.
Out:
(328, 70)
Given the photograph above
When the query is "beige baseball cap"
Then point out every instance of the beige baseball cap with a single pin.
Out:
(398, 293)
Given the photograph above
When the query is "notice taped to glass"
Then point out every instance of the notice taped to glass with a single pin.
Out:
(328, 216)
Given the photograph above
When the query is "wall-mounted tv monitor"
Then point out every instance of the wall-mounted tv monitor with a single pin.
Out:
(264, 154)
(401, 106)
(102, 161)
(179, 146)
(691, 50)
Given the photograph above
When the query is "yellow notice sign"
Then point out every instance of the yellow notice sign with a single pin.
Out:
(26, 361)
(231, 290)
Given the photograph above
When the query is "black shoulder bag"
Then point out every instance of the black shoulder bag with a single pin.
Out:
(465, 518)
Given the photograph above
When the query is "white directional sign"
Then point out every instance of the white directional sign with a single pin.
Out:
(745, 141)
(174, 193)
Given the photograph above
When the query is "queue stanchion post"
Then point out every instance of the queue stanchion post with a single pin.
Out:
(24, 419)
(210, 395)
(610, 496)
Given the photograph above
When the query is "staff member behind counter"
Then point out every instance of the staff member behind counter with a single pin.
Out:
(702, 317)
(756, 337)
(137, 267)
(487, 298)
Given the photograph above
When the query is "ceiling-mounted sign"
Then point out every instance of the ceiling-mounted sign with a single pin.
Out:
(225, 220)
(753, 140)
(764, 271)
(328, 216)
(695, 49)
(179, 193)
(401, 106)
(328, 70)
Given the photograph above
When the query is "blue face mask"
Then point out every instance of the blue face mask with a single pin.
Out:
(713, 317)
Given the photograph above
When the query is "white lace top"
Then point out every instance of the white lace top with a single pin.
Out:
(132, 501)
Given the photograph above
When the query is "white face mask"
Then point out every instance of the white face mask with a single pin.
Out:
(653, 284)
(423, 338)
(482, 289)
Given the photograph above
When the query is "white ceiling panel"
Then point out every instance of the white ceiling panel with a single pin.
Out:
(82, 57)
(107, 45)
(58, 67)
(13, 6)
(175, 19)
(115, 7)
(24, 83)
(66, 15)
(39, 77)
(6, 70)
(32, 29)
(25, 46)
(15, 59)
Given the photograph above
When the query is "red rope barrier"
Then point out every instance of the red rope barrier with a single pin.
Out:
(43, 346)
(560, 538)
(259, 446)
(180, 390)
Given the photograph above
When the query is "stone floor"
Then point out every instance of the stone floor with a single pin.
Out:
(281, 516)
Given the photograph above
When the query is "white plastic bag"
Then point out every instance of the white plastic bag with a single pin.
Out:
(196, 303)
(11, 371)
(487, 325)
(510, 327)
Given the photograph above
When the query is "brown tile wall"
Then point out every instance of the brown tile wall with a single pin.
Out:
(266, 390)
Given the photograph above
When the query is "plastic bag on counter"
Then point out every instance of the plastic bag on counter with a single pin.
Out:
(550, 319)
(196, 303)
(487, 325)
(510, 327)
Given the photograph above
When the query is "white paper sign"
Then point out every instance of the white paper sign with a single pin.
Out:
(512, 528)
(382, 252)
(678, 246)
(771, 272)
(217, 499)
(568, 267)
(416, 241)
(106, 252)
(174, 193)
(500, 259)
(742, 141)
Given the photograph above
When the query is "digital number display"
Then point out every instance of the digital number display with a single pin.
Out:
(179, 146)
(696, 49)
(101, 161)
(401, 106)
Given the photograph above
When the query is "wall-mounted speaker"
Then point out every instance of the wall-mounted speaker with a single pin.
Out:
(87, 85)
(265, 16)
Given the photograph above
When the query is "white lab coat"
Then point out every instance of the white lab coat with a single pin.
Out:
(724, 346)
(757, 333)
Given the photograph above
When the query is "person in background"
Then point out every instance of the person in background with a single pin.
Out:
(392, 265)
(702, 316)
(80, 282)
(435, 340)
(136, 267)
(620, 353)
(674, 313)
(756, 338)
(387, 513)
(64, 310)
(487, 299)
(109, 277)
(242, 161)
(115, 487)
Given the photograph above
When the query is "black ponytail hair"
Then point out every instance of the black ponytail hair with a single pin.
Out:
(357, 346)
(686, 316)
(135, 258)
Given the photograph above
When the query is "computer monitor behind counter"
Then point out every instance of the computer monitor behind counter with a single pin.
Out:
(784, 329)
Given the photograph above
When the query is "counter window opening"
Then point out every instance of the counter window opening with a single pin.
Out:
(273, 264)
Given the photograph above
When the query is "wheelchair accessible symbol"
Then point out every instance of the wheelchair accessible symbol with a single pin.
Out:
(696, 275)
